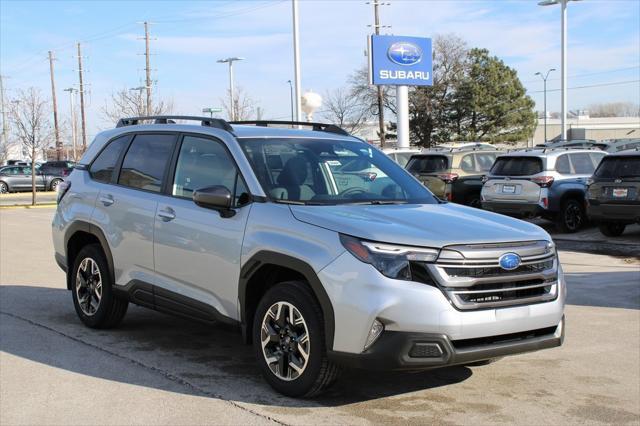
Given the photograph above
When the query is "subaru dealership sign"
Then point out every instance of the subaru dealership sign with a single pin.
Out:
(400, 61)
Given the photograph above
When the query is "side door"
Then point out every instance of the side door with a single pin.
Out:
(197, 251)
(126, 205)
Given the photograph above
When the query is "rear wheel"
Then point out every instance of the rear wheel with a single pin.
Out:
(612, 229)
(91, 286)
(571, 217)
(54, 184)
(289, 341)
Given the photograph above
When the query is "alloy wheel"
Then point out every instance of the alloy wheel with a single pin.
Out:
(54, 185)
(573, 217)
(3, 188)
(89, 286)
(285, 341)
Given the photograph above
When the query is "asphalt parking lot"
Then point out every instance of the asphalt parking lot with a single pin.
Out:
(156, 369)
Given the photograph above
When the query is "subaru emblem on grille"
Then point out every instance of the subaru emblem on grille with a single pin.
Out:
(509, 261)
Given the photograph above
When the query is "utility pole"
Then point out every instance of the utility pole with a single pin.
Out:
(5, 124)
(82, 114)
(55, 111)
(74, 127)
(147, 68)
(544, 79)
(296, 60)
(376, 12)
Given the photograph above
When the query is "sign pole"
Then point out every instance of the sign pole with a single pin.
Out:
(402, 108)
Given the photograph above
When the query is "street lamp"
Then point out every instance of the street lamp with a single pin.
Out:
(72, 111)
(141, 89)
(563, 66)
(544, 79)
(230, 61)
(291, 90)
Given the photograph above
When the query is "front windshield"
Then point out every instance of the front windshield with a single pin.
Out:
(321, 171)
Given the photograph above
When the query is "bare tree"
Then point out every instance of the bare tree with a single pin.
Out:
(30, 115)
(614, 109)
(132, 103)
(367, 94)
(345, 110)
(244, 107)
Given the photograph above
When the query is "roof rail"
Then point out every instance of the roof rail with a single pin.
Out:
(318, 127)
(218, 123)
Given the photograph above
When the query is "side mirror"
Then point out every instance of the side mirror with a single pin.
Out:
(215, 197)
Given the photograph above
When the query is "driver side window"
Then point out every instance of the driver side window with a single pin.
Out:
(204, 162)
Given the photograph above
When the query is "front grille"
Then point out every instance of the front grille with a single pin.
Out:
(496, 271)
(470, 276)
(503, 338)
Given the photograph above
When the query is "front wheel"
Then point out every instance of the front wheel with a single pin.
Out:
(289, 341)
(93, 297)
(4, 188)
(612, 229)
(571, 217)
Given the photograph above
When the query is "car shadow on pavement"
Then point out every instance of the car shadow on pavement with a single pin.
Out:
(189, 357)
(605, 289)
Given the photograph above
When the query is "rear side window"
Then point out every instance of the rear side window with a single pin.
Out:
(467, 163)
(582, 164)
(517, 166)
(102, 167)
(428, 164)
(146, 161)
(618, 167)
(484, 162)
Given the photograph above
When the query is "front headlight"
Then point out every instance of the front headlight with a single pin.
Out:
(393, 261)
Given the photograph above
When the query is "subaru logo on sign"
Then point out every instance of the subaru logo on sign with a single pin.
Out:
(405, 53)
(509, 261)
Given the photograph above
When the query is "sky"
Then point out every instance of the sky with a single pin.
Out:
(189, 36)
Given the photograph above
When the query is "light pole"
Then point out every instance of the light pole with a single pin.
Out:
(544, 79)
(296, 60)
(141, 105)
(230, 61)
(291, 91)
(563, 62)
(211, 111)
(72, 112)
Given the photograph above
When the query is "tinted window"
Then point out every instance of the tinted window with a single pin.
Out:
(146, 161)
(466, 163)
(205, 162)
(485, 161)
(618, 167)
(582, 164)
(427, 164)
(563, 165)
(11, 170)
(102, 167)
(517, 166)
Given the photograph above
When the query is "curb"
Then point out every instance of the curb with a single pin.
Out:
(28, 206)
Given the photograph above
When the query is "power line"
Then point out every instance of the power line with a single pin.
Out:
(615, 83)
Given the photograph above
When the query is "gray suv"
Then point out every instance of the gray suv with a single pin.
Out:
(321, 268)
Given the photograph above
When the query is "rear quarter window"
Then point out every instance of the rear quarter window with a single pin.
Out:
(517, 166)
(427, 164)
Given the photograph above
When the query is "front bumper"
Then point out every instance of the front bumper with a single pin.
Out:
(418, 351)
(623, 213)
(514, 209)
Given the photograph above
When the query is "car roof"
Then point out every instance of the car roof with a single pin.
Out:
(549, 152)
(244, 131)
(626, 153)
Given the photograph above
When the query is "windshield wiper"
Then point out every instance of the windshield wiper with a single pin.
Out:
(378, 202)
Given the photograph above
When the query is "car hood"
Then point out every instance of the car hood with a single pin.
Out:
(428, 225)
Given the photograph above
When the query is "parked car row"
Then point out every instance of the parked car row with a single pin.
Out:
(567, 186)
(15, 178)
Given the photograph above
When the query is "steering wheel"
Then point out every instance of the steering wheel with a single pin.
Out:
(352, 191)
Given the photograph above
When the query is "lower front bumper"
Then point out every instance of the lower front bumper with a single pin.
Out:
(397, 350)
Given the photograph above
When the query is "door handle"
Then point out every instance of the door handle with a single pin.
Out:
(167, 214)
(107, 200)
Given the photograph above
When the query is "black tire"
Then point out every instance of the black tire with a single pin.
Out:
(319, 373)
(54, 184)
(572, 216)
(4, 188)
(110, 310)
(474, 202)
(612, 229)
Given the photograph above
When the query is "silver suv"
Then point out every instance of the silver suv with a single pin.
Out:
(550, 183)
(319, 266)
